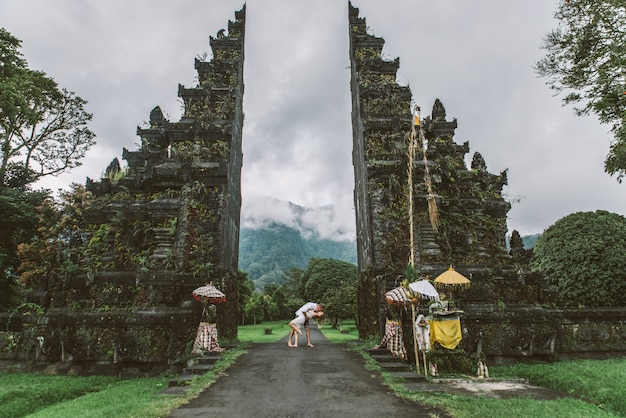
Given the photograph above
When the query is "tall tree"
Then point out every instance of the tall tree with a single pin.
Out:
(43, 129)
(245, 288)
(586, 60)
(19, 213)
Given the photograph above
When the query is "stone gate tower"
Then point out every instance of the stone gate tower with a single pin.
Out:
(153, 233)
(473, 212)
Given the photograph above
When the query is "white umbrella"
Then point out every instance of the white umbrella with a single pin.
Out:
(425, 288)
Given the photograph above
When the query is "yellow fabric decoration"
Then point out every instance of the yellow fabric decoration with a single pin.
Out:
(446, 332)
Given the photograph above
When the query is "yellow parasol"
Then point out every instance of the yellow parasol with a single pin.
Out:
(452, 277)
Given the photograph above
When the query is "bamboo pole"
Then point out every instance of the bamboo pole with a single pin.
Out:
(415, 347)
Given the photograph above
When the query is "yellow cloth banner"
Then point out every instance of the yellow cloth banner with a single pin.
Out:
(446, 332)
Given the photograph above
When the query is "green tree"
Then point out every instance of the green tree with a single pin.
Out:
(260, 308)
(332, 282)
(582, 257)
(245, 290)
(59, 244)
(277, 293)
(292, 284)
(586, 60)
(19, 216)
(43, 129)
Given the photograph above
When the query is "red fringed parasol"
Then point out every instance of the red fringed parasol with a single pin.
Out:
(398, 296)
(208, 294)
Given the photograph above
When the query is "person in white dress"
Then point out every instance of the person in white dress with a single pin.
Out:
(297, 322)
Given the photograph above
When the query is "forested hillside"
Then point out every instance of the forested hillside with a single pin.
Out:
(530, 240)
(267, 253)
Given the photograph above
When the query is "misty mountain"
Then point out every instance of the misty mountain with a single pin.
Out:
(267, 253)
(277, 236)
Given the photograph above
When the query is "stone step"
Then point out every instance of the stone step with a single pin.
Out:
(378, 351)
(198, 369)
(410, 376)
(388, 358)
(209, 359)
(395, 366)
(181, 380)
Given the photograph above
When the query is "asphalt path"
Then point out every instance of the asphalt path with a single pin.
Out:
(327, 380)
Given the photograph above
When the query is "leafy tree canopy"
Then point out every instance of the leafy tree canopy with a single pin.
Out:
(19, 221)
(586, 60)
(582, 257)
(43, 129)
(332, 282)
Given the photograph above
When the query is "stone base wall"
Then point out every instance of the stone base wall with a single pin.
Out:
(144, 343)
(515, 333)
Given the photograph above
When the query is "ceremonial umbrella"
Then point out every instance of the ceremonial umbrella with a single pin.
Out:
(425, 288)
(451, 277)
(208, 293)
(398, 296)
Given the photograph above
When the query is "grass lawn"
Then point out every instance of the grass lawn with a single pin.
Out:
(599, 382)
(591, 380)
(256, 333)
(280, 329)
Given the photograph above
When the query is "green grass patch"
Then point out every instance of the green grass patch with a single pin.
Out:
(279, 329)
(598, 381)
(257, 333)
(474, 407)
(39, 396)
(348, 332)
(126, 398)
(23, 394)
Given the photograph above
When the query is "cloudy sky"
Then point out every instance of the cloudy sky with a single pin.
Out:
(127, 56)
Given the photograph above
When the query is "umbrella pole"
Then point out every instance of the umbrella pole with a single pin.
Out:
(415, 349)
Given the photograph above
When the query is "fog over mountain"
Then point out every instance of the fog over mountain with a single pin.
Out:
(312, 223)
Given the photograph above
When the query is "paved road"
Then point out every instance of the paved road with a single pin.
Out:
(273, 380)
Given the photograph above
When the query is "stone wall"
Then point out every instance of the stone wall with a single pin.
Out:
(512, 333)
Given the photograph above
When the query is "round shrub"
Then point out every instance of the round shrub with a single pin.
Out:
(583, 257)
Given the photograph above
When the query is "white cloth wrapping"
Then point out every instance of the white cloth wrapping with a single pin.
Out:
(422, 332)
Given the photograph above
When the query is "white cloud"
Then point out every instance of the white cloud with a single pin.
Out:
(477, 57)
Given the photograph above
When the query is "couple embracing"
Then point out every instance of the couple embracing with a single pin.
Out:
(303, 315)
